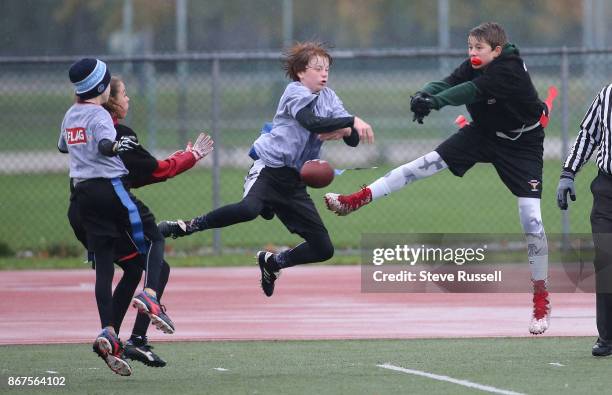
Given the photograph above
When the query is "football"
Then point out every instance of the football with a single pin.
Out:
(317, 173)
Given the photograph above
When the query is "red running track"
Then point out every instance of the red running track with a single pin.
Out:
(310, 302)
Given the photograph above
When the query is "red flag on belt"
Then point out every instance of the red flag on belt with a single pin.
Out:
(544, 118)
(552, 95)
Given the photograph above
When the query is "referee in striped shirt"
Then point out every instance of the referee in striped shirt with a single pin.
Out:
(595, 133)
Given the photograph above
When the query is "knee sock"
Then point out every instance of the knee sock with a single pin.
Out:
(537, 245)
(317, 248)
(399, 177)
(246, 210)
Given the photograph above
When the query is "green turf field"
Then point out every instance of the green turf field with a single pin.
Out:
(477, 203)
(444, 203)
(525, 365)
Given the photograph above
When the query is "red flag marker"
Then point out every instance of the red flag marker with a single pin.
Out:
(461, 121)
(552, 95)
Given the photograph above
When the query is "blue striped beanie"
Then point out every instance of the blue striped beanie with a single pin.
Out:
(90, 77)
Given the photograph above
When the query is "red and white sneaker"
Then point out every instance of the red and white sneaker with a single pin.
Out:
(346, 204)
(541, 308)
(148, 304)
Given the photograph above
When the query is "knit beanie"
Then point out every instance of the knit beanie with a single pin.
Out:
(90, 77)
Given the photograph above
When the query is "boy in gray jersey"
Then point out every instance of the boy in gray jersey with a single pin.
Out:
(308, 114)
(106, 206)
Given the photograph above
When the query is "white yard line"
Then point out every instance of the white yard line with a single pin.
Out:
(438, 377)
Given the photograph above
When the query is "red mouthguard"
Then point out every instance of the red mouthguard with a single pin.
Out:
(475, 61)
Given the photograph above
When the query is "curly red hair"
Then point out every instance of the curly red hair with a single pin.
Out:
(298, 56)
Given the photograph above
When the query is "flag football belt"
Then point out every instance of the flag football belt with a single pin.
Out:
(519, 132)
(266, 128)
(134, 215)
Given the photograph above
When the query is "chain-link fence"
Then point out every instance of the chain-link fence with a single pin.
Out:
(231, 95)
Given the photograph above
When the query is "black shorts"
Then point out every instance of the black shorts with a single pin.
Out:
(518, 162)
(282, 190)
(96, 210)
(125, 247)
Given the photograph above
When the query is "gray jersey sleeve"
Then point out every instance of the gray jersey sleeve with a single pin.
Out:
(338, 110)
(297, 96)
(61, 143)
(104, 128)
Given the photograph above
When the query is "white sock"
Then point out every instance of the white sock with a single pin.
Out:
(537, 245)
(399, 177)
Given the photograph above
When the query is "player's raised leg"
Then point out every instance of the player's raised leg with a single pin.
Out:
(537, 250)
(396, 179)
(247, 209)
(317, 247)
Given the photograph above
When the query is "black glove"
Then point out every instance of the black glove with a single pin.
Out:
(421, 105)
(125, 143)
(566, 184)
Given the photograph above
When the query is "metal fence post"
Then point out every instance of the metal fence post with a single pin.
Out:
(128, 40)
(444, 35)
(565, 222)
(216, 165)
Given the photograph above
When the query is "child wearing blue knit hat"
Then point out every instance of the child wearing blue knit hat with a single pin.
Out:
(106, 206)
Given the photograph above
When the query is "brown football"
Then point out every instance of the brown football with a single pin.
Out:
(317, 173)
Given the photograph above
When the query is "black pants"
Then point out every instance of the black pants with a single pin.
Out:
(282, 191)
(105, 220)
(124, 291)
(601, 224)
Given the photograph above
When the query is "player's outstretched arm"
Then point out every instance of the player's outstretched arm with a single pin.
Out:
(336, 134)
(203, 146)
(182, 161)
(421, 105)
(364, 130)
(320, 125)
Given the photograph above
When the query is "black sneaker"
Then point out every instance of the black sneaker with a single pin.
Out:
(602, 348)
(268, 276)
(178, 228)
(139, 350)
